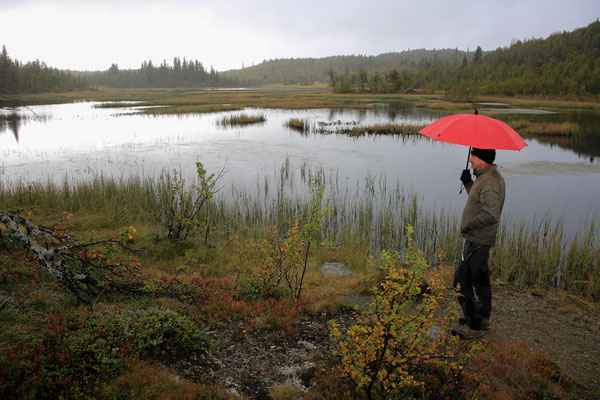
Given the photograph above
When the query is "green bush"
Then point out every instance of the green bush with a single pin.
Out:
(76, 351)
(400, 347)
(180, 206)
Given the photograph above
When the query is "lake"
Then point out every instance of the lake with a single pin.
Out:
(79, 141)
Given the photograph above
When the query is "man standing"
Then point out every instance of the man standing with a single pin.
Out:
(478, 226)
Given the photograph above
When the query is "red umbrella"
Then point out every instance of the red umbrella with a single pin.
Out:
(474, 130)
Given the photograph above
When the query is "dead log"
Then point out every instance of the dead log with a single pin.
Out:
(82, 268)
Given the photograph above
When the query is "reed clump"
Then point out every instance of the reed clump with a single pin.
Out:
(353, 129)
(387, 129)
(242, 120)
(300, 125)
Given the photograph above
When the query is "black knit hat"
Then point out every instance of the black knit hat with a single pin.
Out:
(487, 155)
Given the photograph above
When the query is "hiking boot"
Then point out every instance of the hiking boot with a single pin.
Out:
(485, 324)
(465, 332)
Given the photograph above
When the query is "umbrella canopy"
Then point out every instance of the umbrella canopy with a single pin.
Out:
(474, 130)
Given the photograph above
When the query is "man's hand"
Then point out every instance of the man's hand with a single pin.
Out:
(465, 177)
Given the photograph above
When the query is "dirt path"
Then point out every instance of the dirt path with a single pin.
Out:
(570, 337)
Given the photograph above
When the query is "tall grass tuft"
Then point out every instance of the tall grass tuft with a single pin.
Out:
(115, 200)
(242, 120)
(581, 266)
(539, 255)
(529, 255)
(300, 125)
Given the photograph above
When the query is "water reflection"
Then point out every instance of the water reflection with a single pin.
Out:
(12, 120)
(586, 146)
(10, 123)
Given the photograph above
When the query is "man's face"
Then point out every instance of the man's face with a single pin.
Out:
(477, 163)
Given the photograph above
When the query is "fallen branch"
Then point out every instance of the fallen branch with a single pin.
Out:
(82, 268)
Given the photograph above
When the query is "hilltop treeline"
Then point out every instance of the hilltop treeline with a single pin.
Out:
(306, 71)
(565, 64)
(34, 76)
(181, 74)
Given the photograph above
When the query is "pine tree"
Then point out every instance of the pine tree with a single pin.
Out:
(478, 56)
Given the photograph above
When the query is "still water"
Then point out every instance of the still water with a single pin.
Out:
(78, 142)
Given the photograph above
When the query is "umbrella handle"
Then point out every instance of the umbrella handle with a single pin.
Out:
(462, 187)
(468, 156)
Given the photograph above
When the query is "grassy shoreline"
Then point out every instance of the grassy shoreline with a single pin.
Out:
(290, 97)
(364, 220)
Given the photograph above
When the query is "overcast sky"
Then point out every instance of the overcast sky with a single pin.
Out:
(93, 34)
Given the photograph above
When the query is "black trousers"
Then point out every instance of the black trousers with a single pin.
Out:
(472, 274)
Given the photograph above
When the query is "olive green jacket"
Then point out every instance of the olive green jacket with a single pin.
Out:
(481, 216)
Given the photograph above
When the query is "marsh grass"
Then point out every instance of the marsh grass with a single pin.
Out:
(117, 104)
(116, 201)
(532, 128)
(241, 120)
(537, 102)
(364, 218)
(299, 125)
(189, 109)
(222, 100)
(353, 129)
(538, 255)
(285, 97)
(387, 129)
(442, 105)
(195, 101)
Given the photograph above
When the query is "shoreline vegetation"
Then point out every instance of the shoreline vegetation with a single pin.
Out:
(278, 96)
(200, 101)
(364, 220)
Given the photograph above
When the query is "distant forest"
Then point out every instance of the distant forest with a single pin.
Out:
(565, 64)
(35, 76)
(181, 74)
